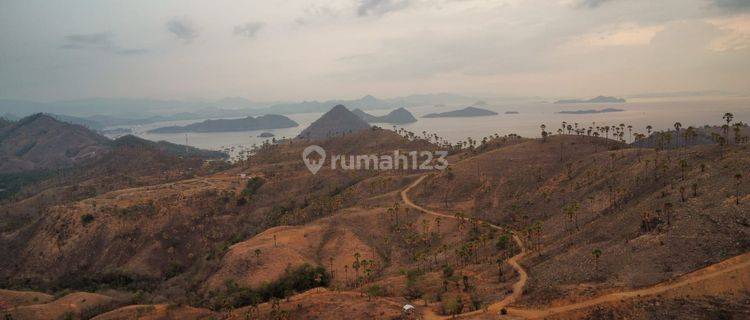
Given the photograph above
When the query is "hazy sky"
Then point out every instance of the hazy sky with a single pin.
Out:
(295, 50)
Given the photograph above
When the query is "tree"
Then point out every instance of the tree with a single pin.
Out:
(257, 255)
(356, 265)
(668, 212)
(683, 167)
(571, 210)
(544, 132)
(648, 129)
(677, 127)
(465, 280)
(738, 177)
(728, 118)
(596, 253)
(630, 132)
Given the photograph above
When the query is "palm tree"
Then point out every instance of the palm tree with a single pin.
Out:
(683, 166)
(630, 132)
(648, 129)
(544, 132)
(728, 118)
(257, 255)
(596, 253)
(677, 127)
(668, 212)
(356, 264)
(571, 210)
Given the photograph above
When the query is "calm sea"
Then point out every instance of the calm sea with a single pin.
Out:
(659, 114)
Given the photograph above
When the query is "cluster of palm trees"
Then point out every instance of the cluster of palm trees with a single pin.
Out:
(618, 132)
(367, 267)
(469, 143)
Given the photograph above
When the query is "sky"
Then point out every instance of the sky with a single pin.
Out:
(336, 49)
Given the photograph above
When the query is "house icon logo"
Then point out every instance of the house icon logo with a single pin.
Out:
(314, 156)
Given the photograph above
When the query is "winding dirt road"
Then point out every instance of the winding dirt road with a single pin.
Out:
(707, 273)
(513, 261)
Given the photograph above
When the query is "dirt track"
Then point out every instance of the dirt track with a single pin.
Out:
(707, 273)
(513, 261)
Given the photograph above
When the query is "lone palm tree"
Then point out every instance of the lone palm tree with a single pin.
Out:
(597, 253)
(630, 132)
(648, 129)
(571, 210)
(257, 255)
(728, 117)
(677, 127)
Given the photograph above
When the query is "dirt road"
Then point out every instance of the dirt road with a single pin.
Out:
(707, 273)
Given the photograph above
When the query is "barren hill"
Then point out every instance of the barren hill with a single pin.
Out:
(336, 122)
(41, 142)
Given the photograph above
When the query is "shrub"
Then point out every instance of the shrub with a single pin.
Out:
(253, 184)
(298, 279)
(87, 218)
(453, 306)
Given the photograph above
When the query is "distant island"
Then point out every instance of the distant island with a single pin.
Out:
(599, 99)
(466, 112)
(266, 135)
(398, 116)
(116, 131)
(511, 112)
(271, 121)
(591, 111)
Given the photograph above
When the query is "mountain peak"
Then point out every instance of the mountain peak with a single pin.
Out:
(336, 122)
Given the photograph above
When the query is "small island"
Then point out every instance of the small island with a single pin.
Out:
(465, 112)
(591, 111)
(266, 135)
(116, 131)
(599, 99)
(398, 116)
(511, 112)
(270, 121)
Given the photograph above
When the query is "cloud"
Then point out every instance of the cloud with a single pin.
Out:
(102, 38)
(182, 28)
(591, 3)
(97, 42)
(380, 7)
(732, 5)
(315, 13)
(617, 36)
(248, 30)
(735, 33)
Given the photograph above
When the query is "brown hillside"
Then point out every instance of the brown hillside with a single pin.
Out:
(41, 142)
(527, 185)
(74, 306)
(157, 312)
